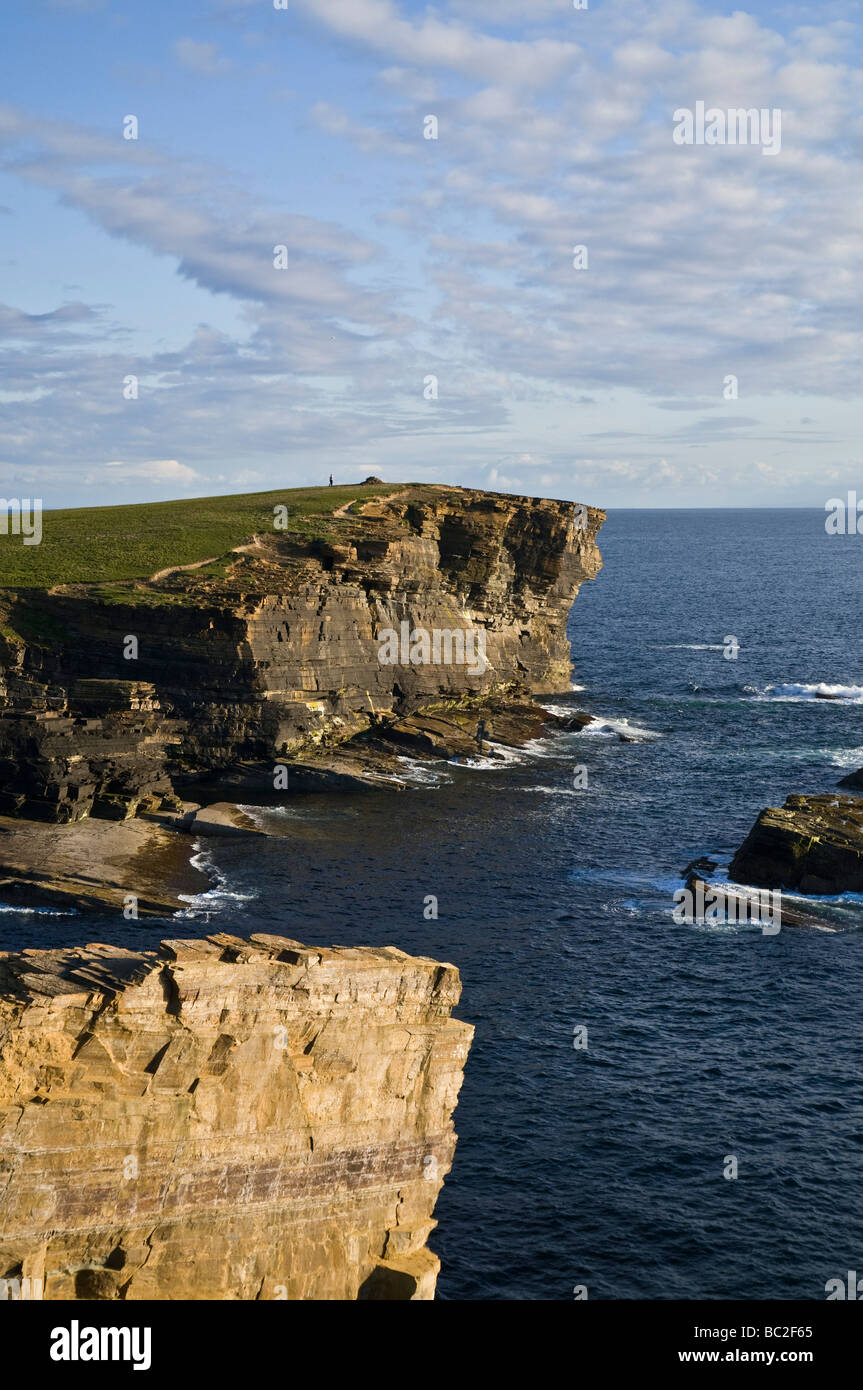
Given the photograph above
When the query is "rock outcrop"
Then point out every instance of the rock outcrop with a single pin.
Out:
(112, 697)
(853, 780)
(225, 1119)
(813, 844)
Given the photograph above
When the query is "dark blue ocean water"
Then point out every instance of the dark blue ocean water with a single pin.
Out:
(604, 1167)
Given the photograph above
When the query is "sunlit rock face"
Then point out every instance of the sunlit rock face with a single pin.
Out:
(281, 651)
(813, 844)
(225, 1119)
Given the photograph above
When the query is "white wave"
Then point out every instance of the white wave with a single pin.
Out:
(259, 815)
(847, 757)
(544, 747)
(20, 908)
(504, 757)
(552, 791)
(691, 646)
(791, 691)
(420, 774)
(619, 726)
(564, 711)
(573, 686)
(215, 899)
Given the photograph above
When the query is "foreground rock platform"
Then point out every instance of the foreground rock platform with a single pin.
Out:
(225, 1119)
(96, 866)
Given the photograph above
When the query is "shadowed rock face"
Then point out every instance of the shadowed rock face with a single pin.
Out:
(225, 1119)
(812, 843)
(280, 653)
(853, 779)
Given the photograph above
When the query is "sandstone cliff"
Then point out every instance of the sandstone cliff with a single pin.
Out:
(225, 1119)
(273, 652)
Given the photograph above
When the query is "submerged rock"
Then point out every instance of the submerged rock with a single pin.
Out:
(223, 818)
(853, 780)
(739, 904)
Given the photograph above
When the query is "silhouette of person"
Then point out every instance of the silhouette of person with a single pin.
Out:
(331, 480)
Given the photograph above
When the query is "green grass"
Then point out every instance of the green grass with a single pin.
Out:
(96, 545)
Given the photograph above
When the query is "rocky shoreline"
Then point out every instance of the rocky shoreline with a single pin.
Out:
(265, 679)
(97, 866)
(147, 858)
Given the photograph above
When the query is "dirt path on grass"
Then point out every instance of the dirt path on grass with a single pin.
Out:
(343, 511)
(175, 569)
(255, 542)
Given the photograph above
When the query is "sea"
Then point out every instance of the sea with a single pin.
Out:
(651, 1109)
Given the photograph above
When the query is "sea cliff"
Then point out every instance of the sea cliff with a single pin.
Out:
(225, 1119)
(262, 669)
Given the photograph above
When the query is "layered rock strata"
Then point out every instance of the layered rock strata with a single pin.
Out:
(225, 1119)
(813, 844)
(277, 655)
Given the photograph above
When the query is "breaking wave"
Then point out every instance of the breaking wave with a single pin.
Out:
(217, 899)
(849, 694)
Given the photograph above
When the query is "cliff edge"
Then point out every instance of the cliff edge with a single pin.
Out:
(225, 1119)
(114, 694)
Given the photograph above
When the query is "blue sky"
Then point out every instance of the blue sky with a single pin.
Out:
(410, 258)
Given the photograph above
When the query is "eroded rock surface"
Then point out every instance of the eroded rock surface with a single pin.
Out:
(813, 844)
(225, 1119)
(275, 655)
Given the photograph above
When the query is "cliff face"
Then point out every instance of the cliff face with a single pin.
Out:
(278, 652)
(225, 1119)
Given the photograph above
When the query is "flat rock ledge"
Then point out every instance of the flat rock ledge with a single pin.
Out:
(97, 864)
(225, 1119)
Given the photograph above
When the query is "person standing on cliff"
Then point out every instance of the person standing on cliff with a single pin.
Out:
(331, 480)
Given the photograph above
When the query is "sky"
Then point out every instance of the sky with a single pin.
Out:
(429, 318)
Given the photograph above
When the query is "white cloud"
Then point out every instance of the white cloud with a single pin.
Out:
(153, 471)
(333, 120)
(703, 261)
(409, 82)
(201, 57)
(436, 43)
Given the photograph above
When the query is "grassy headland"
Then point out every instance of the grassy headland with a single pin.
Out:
(96, 545)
